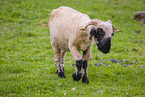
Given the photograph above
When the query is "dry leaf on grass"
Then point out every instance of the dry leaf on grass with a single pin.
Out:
(64, 93)
(73, 89)
(100, 91)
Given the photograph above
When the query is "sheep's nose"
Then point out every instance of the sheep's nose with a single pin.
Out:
(104, 45)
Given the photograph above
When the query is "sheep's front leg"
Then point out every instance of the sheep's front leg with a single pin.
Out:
(85, 77)
(86, 57)
(78, 75)
(79, 63)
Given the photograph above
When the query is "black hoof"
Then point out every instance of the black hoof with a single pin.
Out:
(77, 77)
(85, 79)
(61, 75)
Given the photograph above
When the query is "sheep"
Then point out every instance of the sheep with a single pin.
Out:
(74, 31)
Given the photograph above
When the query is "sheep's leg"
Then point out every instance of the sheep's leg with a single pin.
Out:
(86, 57)
(79, 63)
(57, 54)
(78, 75)
(62, 55)
(85, 77)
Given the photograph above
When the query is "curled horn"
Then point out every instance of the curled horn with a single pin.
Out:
(92, 22)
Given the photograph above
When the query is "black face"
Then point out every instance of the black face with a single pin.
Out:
(100, 34)
(103, 44)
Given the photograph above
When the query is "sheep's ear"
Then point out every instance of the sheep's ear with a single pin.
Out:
(115, 30)
(92, 22)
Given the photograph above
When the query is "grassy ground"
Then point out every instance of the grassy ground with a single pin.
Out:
(26, 57)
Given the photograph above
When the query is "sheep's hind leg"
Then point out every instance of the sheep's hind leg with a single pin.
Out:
(62, 54)
(57, 54)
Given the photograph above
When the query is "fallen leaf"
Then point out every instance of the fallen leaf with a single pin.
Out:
(73, 89)
(2, 93)
(100, 91)
(139, 41)
(44, 25)
(142, 40)
(64, 93)
(141, 66)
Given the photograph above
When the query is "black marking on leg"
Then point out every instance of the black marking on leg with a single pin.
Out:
(77, 77)
(85, 79)
(85, 64)
(79, 64)
(60, 70)
(61, 74)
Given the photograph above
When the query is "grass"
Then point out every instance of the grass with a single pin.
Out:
(26, 57)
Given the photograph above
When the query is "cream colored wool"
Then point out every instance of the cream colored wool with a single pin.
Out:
(70, 31)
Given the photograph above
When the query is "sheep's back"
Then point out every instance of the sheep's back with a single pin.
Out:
(64, 24)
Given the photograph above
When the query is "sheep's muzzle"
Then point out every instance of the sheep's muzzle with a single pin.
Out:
(104, 45)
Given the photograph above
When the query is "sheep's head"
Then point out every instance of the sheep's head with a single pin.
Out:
(102, 33)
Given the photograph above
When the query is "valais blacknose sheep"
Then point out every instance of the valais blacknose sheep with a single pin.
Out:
(73, 31)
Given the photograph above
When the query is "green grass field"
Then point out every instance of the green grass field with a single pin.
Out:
(27, 67)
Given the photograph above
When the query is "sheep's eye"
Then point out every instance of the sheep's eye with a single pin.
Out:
(112, 34)
(99, 30)
(100, 34)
